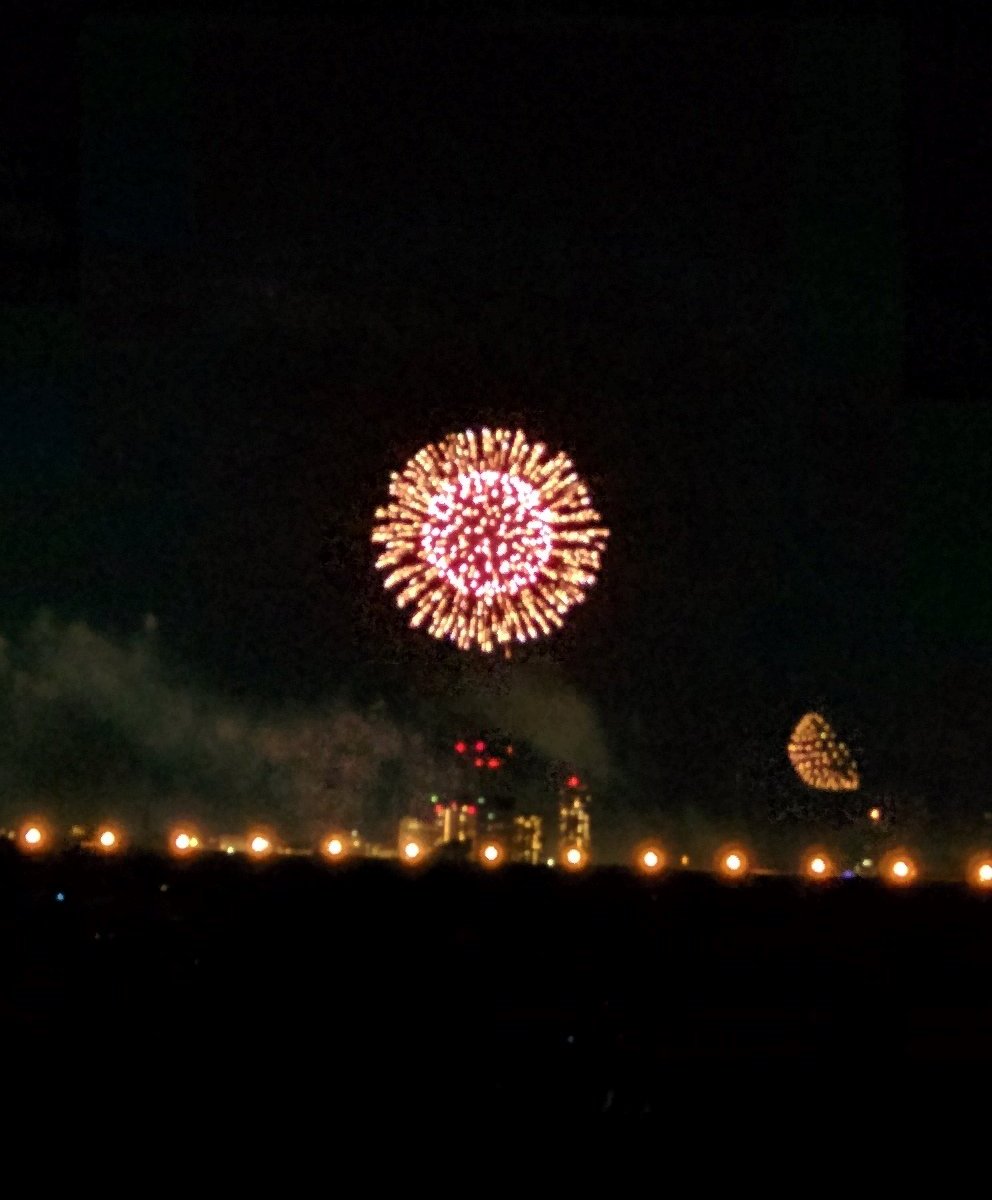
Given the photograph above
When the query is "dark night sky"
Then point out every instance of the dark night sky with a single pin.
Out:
(258, 257)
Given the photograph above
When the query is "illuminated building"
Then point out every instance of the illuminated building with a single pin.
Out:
(483, 810)
(457, 821)
(526, 839)
(574, 829)
(487, 808)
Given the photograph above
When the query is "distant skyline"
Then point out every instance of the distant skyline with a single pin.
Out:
(728, 265)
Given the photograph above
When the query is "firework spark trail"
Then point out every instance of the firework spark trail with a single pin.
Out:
(489, 539)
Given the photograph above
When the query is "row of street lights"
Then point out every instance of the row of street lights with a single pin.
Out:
(731, 862)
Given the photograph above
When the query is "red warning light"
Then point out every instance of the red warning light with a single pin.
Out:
(479, 762)
(480, 746)
(460, 747)
(572, 781)
(438, 809)
(493, 763)
(470, 809)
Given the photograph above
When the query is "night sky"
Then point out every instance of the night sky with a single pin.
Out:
(258, 256)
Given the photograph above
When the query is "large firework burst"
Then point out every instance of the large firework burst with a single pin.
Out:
(819, 758)
(489, 539)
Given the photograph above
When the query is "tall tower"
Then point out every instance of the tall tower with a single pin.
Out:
(574, 826)
(526, 838)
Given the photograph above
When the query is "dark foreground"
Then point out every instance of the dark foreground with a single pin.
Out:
(527, 990)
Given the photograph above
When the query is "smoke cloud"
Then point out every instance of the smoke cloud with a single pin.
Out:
(535, 704)
(95, 728)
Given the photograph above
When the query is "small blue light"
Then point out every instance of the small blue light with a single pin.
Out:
(60, 895)
(847, 874)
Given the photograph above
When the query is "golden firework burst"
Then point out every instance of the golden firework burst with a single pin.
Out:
(489, 538)
(819, 758)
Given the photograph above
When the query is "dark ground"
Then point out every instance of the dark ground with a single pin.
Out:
(528, 992)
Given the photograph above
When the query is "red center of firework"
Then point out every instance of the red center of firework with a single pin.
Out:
(487, 533)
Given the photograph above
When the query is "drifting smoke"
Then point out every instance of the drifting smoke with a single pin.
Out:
(96, 728)
(533, 702)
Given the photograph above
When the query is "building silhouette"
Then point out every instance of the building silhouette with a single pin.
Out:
(483, 807)
(574, 823)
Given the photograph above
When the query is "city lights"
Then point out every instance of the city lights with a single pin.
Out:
(333, 847)
(260, 845)
(979, 870)
(574, 858)
(732, 862)
(108, 840)
(650, 859)
(818, 865)
(183, 842)
(898, 867)
(489, 845)
(34, 837)
(492, 854)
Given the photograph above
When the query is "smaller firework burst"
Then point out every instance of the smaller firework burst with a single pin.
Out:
(819, 758)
